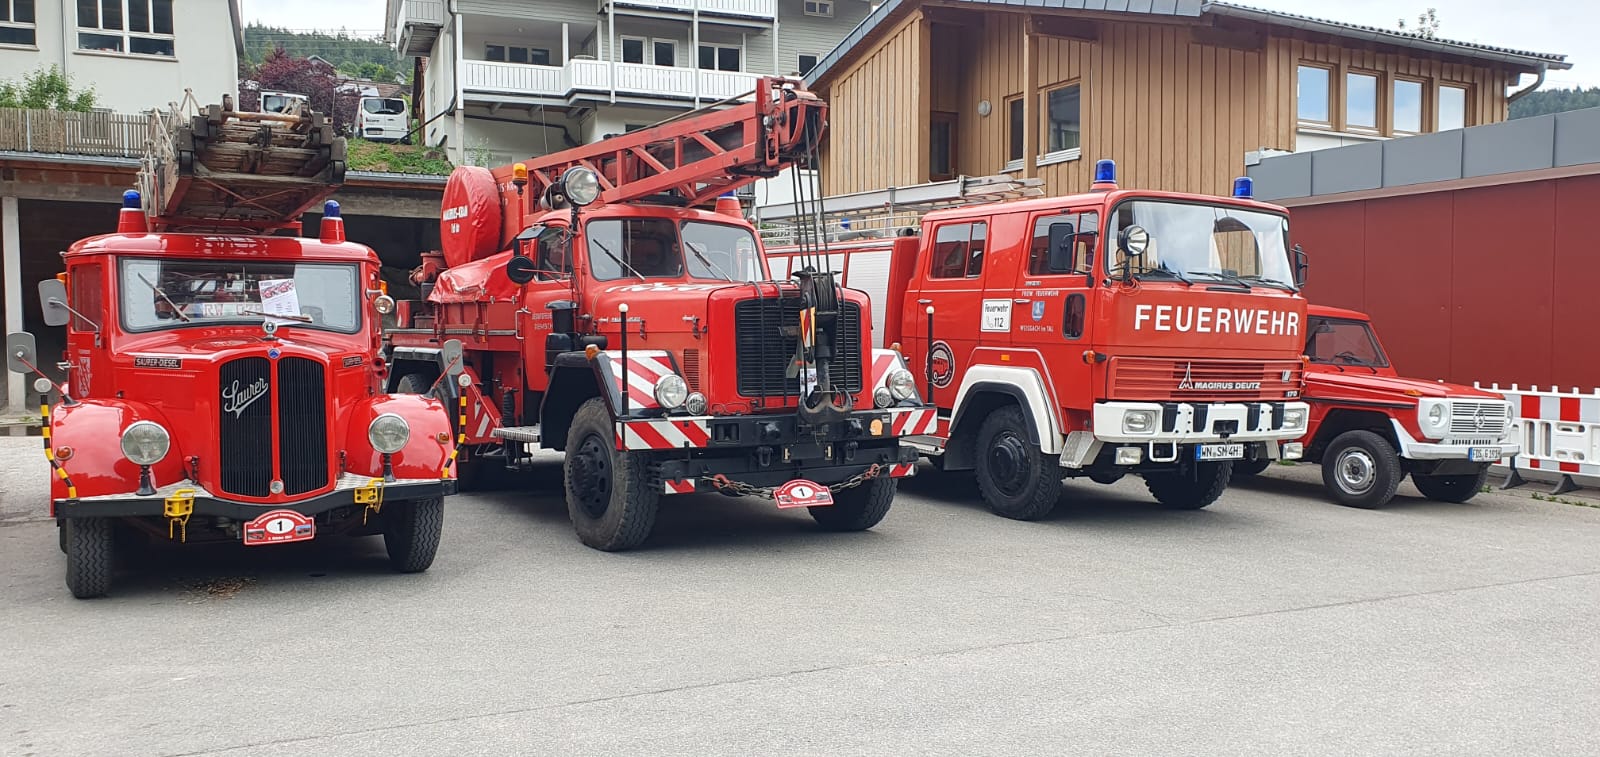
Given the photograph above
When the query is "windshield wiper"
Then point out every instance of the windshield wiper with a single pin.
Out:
(1164, 270)
(286, 316)
(694, 248)
(163, 295)
(616, 259)
(1284, 285)
(1224, 277)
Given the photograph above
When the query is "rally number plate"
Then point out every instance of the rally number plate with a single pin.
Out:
(1219, 452)
(802, 493)
(1483, 454)
(279, 527)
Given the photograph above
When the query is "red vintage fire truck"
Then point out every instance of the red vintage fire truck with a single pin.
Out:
(1370, 427)
(222, 382)
(605, 314)
(1101, 334)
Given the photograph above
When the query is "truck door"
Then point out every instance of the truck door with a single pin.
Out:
(949, 277)
(1054, 291)
(548, 248)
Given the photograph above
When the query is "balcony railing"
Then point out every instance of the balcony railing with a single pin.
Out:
(595, 77)
(748, 8)
(420, 13)
(417, 25)
(121, 135)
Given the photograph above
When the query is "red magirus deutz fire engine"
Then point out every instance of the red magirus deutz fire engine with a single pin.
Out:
(1100, 334)
(1370, 427)
(224, 383)
(604, 314)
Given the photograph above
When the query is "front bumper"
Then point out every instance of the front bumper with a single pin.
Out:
(1431, 451)
(1192, 423)
(206, 503)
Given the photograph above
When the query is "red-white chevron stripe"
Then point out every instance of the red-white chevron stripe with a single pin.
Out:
(676, 433)
(915, 422)
(678, 486)
(644, 369)
(884, 361)
(901, 470)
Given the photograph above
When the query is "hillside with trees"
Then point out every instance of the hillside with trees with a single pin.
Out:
(350, 55)
(1555, 101)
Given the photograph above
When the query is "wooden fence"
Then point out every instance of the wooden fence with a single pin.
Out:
(69, 133)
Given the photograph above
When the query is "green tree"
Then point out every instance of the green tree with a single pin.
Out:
(1427, 26)
(45, 88)
(1547, 101)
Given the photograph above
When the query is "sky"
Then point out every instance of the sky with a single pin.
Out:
(1560, 27)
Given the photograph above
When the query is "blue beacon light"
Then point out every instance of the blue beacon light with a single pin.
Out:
(1244, 188)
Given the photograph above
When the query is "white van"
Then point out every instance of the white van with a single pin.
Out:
(283, 102)
(382, 119)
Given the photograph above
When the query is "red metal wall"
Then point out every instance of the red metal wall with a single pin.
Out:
(1494, 284)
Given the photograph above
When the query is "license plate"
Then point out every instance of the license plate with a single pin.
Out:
(802, 493)
(1219, 452)
(1483, 454)
(279, 527)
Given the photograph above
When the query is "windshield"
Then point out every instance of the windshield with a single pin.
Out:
(1343, 342)
(384, 107)
(158, 294)
(1206, 241)
(649, 248)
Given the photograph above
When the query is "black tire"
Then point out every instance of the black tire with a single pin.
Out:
(1243, 469)
(1016, 480)
(61, 534)
(413, 383)
(411, 533)
(91, 555)
(1456, 489)
(1361, 469)
(857, 509)
(609, 497)
(1194, 490)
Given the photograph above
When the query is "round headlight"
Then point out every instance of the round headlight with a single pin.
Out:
(145, 443)
(42, 385)
(695, 404)
(902, 384)
(1436, 415)
(389, 433)
(881, 397)
(671, 391)
(582, 185)
(463, 380)
(1138, 422)
(383, 303)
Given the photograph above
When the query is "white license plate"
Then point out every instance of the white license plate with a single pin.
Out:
(1219, 452)
(1483, 454)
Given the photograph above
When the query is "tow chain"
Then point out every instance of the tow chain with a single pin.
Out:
(722, 483)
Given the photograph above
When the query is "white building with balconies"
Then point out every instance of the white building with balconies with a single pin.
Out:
(503, 80)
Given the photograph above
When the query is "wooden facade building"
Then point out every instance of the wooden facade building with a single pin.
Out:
(1178, 92)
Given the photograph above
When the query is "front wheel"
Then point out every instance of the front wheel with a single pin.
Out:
(411, 533)
(1361, 469)
(857, 509)
(1193, 489)
(1458, 488)
(1016, 479)
(90, 556)
(609, 497)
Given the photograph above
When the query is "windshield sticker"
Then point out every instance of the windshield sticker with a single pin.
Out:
(278, 297)
(157, 362)
(1210, 320)
(996, 315)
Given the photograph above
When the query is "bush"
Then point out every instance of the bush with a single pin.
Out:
(45, 88)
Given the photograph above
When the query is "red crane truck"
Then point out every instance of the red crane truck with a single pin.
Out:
(605, 315)
(1100, 334)
(1370, 427)
(224, 382)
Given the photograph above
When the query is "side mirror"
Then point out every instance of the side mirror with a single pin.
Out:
(53, 299)
(1133, 241)
(1061, 238)
(450, 353)
(21, 352)
(1302, 264)
(520, 269)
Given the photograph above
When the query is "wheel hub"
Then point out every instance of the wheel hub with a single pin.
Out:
(1356, 470)
(592, 476)
(1008, 461)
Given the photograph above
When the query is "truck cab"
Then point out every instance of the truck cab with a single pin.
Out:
(228, 388)
(1370, 427)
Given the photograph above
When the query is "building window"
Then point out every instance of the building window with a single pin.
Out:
(514, 54)
(1063, 126)
(140, 27)
(665, 52)
(805, 63)
(942, 147)
(16, 22)
(822, 8)
(958, 251)
(1407, 104)
(1314, 95)
(1013, 133)
(633, 49)
(720, 58)
(1452, 107)
(1361, 100)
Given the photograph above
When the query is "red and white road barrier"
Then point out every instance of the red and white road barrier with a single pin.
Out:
(1559, 433)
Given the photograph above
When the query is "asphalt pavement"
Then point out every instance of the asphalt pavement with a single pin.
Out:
(1274, 622)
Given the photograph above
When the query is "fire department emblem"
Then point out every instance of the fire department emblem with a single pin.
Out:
(944, 364)
(1038, 311)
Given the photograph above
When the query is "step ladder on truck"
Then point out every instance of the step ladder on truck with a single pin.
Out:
(607, 314)
(1100, 334)
(223, 379)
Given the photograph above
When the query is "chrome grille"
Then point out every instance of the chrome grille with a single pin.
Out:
(245, 433)
(247, 458)
(302, 425)
(1478, 418)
